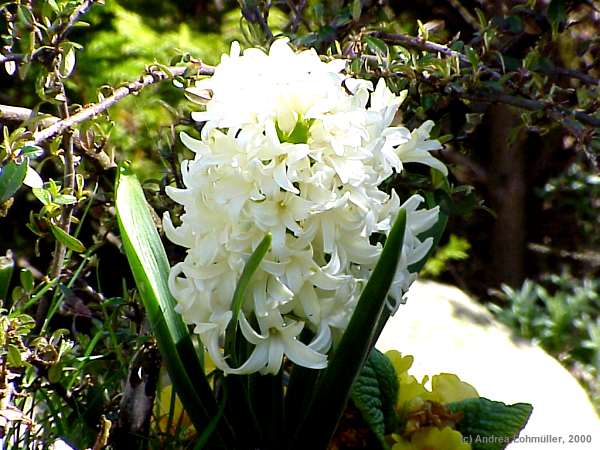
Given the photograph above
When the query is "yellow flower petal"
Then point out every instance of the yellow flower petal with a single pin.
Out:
(447, 388)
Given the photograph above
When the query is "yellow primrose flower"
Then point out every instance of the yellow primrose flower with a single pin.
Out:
(445, 387)
(433, 438)
(448, 388)
(410, 390)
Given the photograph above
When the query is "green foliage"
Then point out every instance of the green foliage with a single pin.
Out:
(374, 393)
(489, 425)
(562, 314)
(150, 268)
(11, 178)
(455, 250)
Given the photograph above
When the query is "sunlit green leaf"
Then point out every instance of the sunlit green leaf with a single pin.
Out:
(150, 268)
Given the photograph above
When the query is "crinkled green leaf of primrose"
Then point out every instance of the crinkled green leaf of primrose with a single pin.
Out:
(335, 384)
(11, 178)
(490, 425)
(374, 393)
(150, 268)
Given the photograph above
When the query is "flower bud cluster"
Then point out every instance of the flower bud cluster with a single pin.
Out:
(293, 147)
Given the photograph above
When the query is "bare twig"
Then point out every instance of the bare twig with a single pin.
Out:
(533, 105)
(477, 172)
(421, 44)
(60, 249)
(464, 13)
(154, 76)
(570, 73)
(298, 12)
(587, 256)
(17, 114)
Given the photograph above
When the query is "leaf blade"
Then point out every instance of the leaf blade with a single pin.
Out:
(150, 267)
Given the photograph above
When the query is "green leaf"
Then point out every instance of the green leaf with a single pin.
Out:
(366, 396)
(68, 59)
(26, 278)
(11, 178)
(497, 422)
(473, 57)
(65, 199)
(435, 232)
(70, 241)
(333, 390)
(388, 385)
(374, 393)
(556, 14)
(356, 10)
(240, 290)
(377, 46)
(150, 267)
(14, 357)
(42, 195)
(7, 265)
(32, 151)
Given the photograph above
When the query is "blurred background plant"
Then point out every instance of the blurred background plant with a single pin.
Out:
(512, 86)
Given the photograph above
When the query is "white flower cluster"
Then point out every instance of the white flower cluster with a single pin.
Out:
(292, 147)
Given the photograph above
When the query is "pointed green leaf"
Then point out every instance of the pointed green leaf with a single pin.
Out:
(42, 195)
(490, 425)
(240, 290)
(333, 390)
(11, 178)
(150, 268)
(435, 232)
(7, 265)
(71, 242)
(556, 14)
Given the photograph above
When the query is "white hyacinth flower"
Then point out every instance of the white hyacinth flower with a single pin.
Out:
(293, 147)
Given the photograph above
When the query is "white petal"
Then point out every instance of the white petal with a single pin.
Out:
(32, 179)
(303, 355)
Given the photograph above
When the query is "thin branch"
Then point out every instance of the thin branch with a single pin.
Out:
(421, 44)
(153, 77)
(570, 73)
(488, 97)
(10, 57)
(465, 14)
(81, 10)
(66, 215)
(477, 172)
(17, 114)
(433, 47)
(587, 256)
(298, 12)
(532, 105)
